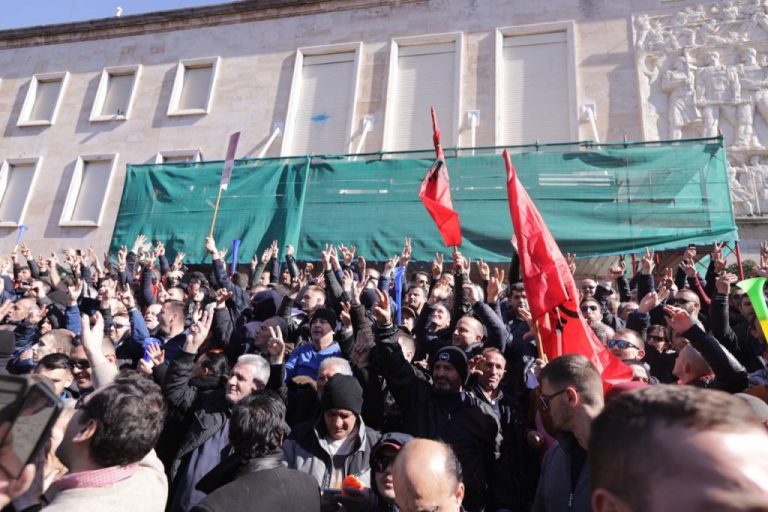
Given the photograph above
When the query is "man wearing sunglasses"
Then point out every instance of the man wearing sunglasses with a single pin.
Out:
(572, 393)
(627, 345)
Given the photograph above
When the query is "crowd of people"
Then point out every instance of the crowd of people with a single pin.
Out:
(321, 386)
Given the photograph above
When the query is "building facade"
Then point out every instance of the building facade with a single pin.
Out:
(80, 101)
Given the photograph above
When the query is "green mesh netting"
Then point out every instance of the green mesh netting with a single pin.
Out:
(603, 201)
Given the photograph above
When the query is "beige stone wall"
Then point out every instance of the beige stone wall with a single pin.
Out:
(254, 78)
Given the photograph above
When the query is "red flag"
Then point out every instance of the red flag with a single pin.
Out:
(551, 290)
(435, 193)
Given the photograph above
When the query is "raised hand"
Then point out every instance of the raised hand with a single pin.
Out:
(139, 243)
(222, 296)
(289, 251)
(198, 332)
(437, 266)
(25, 251)
(210, 247)
(689, 267)
(723, 283)
(92, 337)
(678, 319)
(156, 353)
(126, 297)
(472, 297)
(494, 286)
(653, 299)
(405, 255)
(618, 271)
(159, 249)
(382, 311)
(178, 262)
(570, 259)
(361, 265)
(325, 258)
(484, 269)
(276, 345)
(647, 264)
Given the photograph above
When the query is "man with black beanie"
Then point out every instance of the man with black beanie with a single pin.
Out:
(338, 444)
(442, 410)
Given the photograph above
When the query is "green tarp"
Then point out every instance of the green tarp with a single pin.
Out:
(596, 201)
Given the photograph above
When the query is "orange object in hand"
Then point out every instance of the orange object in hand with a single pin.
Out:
(353, 482)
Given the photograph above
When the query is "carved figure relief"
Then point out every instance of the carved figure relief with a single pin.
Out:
(703, 71)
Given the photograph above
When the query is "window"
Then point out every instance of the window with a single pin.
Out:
(320, 110)
(114, 96)
(174, 157)
(88, 190)
(43, 99)
(17, 178)
(424, 72)
(193, 88)
(535, 91)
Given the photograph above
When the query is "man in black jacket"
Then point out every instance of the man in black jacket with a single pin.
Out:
(255, 471)
(206, 441)
(443, 410)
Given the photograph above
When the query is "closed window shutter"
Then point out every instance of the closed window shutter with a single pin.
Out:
(195, 88)
(93, 186)
(323, 106)
(17, 186)
(534, 102)
(426, 77)
(45, 100)
(118, 93)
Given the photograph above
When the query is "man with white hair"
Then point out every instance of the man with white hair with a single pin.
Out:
(207, 437)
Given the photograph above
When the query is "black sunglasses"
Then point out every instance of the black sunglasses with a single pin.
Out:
(622, 344)
(382, 462)
(545, 399)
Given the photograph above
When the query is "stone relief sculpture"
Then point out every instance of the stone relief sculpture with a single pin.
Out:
(703, 71)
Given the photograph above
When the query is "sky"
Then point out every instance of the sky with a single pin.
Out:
(27, 13)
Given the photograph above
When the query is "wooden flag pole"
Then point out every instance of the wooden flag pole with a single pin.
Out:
(539, 343)
(215, 213)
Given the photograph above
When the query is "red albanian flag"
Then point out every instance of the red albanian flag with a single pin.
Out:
(435, 193)
(551, 290)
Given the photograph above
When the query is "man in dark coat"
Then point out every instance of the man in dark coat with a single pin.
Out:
(255, 474)
(443, 410)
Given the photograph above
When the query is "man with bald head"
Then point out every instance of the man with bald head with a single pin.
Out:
(427, 476)
(468, 336)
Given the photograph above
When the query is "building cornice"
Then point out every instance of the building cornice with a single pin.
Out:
(181, 19)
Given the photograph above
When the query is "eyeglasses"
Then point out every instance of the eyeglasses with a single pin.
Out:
(81, 364)
(656, 337)
(622, 344)
(382, 462)
(545, 399)
(584, 309)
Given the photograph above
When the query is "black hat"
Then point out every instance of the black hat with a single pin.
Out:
(265, 304)
(394, 440)
(326, 314)
(457, 358)
(342, 392)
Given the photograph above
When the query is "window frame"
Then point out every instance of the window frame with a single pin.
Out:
(75, 183)
(454, 131)
(197, 155)
(29, 99)
(572, 77)
(4, 171)
(293, 101)
(103, 89)
(178, 86)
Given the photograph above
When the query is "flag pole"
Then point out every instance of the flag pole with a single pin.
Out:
(539, 343)
(215, 213)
